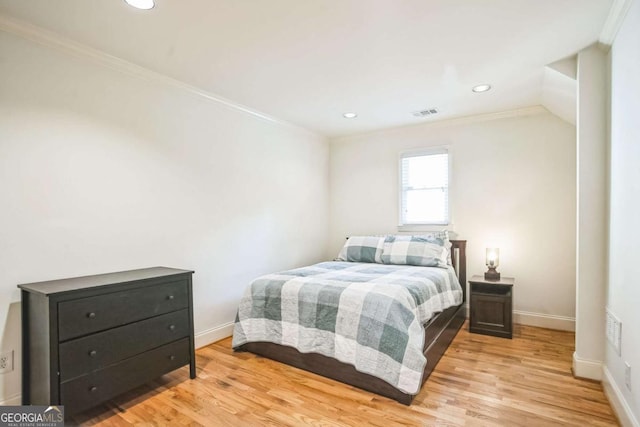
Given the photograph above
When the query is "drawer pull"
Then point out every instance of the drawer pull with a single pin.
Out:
(93, 353)
(93, 389)
(172, 327)
(170, 297)
(172, 357)
(91, 315)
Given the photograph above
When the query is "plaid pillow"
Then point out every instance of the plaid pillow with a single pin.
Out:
(414, 250)
(362, 249)
(440, 238)
(437, 237)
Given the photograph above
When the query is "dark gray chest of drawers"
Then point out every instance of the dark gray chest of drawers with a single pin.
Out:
(88, 339)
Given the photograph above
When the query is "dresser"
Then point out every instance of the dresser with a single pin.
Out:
(87, 339)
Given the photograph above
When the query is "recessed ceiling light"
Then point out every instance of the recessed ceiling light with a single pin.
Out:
(481, 88)
(349, 115)
(141, 4)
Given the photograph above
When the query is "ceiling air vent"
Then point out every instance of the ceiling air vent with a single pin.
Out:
(425, 113)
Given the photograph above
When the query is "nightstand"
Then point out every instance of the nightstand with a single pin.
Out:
(491, 306)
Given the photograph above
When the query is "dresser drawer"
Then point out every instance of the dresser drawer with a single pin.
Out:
(87, 315)
(83, 355)
(99, 386)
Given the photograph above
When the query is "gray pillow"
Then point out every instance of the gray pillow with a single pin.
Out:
(414, 250)
(362, 249)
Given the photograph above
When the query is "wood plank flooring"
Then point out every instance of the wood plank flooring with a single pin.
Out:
(480, 381)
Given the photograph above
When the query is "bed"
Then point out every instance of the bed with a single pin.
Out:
(277, 320)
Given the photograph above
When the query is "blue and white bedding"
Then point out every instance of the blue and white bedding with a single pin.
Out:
(368, 315)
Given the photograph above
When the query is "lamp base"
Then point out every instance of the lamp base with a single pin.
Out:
(492, 274)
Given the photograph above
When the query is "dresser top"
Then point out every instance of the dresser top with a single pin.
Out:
(51, 287)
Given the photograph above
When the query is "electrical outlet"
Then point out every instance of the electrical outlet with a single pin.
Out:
(627, 374)
(6, 361)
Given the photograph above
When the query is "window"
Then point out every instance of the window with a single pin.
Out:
(424, 187)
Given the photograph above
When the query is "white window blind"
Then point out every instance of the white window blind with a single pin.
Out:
(424, 187)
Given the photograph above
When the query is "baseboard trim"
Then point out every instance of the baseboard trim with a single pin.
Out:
(202, 339)
(14, 400)
(541, 320)
(586, 368)
(212, 335)
(618, 402)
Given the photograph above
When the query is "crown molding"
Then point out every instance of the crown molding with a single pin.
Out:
(617, 13)
(455, 121)
(63, 44)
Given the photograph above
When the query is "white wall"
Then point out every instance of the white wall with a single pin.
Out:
(591, 245)
(102, 171)
(513, 186)
(624, 228)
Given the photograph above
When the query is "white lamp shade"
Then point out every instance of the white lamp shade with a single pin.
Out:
(493, 257)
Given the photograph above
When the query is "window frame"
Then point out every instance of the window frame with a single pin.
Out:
(424, 226)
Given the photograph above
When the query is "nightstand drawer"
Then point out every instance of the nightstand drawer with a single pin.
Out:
(87, 315)
(83, 355)
(491, 314)
(490, 289)
(491, 306)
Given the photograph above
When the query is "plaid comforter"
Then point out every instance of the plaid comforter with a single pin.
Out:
(366, 315)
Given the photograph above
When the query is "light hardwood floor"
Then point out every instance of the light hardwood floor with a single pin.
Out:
(480, 381)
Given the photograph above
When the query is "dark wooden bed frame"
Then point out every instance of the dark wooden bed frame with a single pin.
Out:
(439, 332)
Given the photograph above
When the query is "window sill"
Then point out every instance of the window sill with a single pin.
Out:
(425, 227)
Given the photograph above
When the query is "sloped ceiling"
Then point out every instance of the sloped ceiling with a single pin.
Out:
(560, 89)
(307, 62)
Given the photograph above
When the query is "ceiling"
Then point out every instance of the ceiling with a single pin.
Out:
(309, 61)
